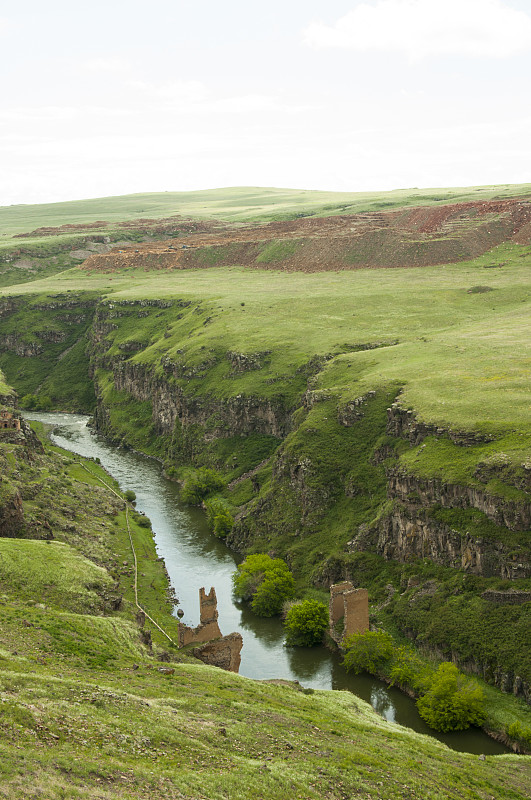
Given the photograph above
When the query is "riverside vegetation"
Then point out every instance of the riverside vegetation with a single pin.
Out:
(370, 425)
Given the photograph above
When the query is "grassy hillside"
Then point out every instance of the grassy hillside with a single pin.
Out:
(458, 354)
(89, 710)
(237, 203)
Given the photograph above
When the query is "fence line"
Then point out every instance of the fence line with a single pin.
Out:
(132, 548)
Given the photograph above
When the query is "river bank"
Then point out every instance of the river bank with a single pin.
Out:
(193, 558)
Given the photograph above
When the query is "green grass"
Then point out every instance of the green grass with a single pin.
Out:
(277, 251)
(5, 390)
(53, 572)
(460, 356)
(238, 203)
(200, 733)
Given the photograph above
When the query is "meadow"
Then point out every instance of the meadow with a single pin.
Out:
(460, 355)
(238, 204)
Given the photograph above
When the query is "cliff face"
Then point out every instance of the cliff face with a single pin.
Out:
(408, 534)
(42, 347)
(319, 478)
(11, 514)
(234, 416)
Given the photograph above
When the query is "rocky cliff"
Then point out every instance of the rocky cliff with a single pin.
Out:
(316, 475)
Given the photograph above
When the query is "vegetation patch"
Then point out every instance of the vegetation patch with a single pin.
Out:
(264, 581)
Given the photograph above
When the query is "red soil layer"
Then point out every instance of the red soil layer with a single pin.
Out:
(423, 236)
(169, 225)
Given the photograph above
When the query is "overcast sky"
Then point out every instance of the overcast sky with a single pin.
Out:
(113, 97)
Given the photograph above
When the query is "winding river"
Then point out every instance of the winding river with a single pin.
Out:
(195, 558)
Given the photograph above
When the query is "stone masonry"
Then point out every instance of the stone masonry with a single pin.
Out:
(215, 649)
(352, 606)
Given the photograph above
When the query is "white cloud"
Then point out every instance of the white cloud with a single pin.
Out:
(195, 97)
(172, 91)
(420, 28)
(112, 64)
(57, 114)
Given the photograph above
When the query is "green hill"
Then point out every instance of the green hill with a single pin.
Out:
(238, 204)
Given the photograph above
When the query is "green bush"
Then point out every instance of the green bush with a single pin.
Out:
(203, 482)
(130, 496)
(219, 518)
(367, 652)
(520, 733)
(266, 581)
(410, 670)
(306, 623)
(33, 402)
(453, 702)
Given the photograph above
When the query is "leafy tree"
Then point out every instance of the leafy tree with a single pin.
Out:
(453, 702)
(306, 623)
(277, 587)
(219, 518)
(130, 496)
(33, 402)
(29, 401)
(367, 652)
(266, 581)
(202, 483)
(519, 732)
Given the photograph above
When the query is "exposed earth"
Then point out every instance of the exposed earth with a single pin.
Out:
(422, 236)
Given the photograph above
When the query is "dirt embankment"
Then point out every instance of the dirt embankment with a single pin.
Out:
(422, 236)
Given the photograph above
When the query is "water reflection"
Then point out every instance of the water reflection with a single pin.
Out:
(195, 558)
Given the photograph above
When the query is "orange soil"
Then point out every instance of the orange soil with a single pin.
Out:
(411, 237)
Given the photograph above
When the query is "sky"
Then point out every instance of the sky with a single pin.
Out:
(110, 98)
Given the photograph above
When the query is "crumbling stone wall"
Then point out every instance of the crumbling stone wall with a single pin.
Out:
(216, 650)
(224, 652)
(208, 627)
(350, 605)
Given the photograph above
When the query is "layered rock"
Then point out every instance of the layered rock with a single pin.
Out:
(407, 534)
(512, 514)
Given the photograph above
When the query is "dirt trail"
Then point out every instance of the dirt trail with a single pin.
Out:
(412, 237)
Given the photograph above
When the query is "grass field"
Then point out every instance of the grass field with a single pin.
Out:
(459, 354)
(238, 203)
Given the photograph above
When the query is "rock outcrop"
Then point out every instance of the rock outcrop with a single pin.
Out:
(512, 514)
(407, 534)
(11, 514)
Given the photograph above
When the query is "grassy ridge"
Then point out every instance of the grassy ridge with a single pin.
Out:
(459, 355)
(200, 733)
(238, 203)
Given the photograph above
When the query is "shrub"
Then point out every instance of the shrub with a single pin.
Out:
(266, 581)
(520, 733)
(479, 289)
(306, 623)
(219, 518)
(367, 652)
(130, 496)
(202, 483)
(33, 402)
(409, 670)
(453, 702)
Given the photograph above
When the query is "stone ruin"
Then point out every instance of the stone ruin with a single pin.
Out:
(348, 610)
(8, 421)
(216, 650)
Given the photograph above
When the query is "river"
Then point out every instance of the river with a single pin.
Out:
(195, 558)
